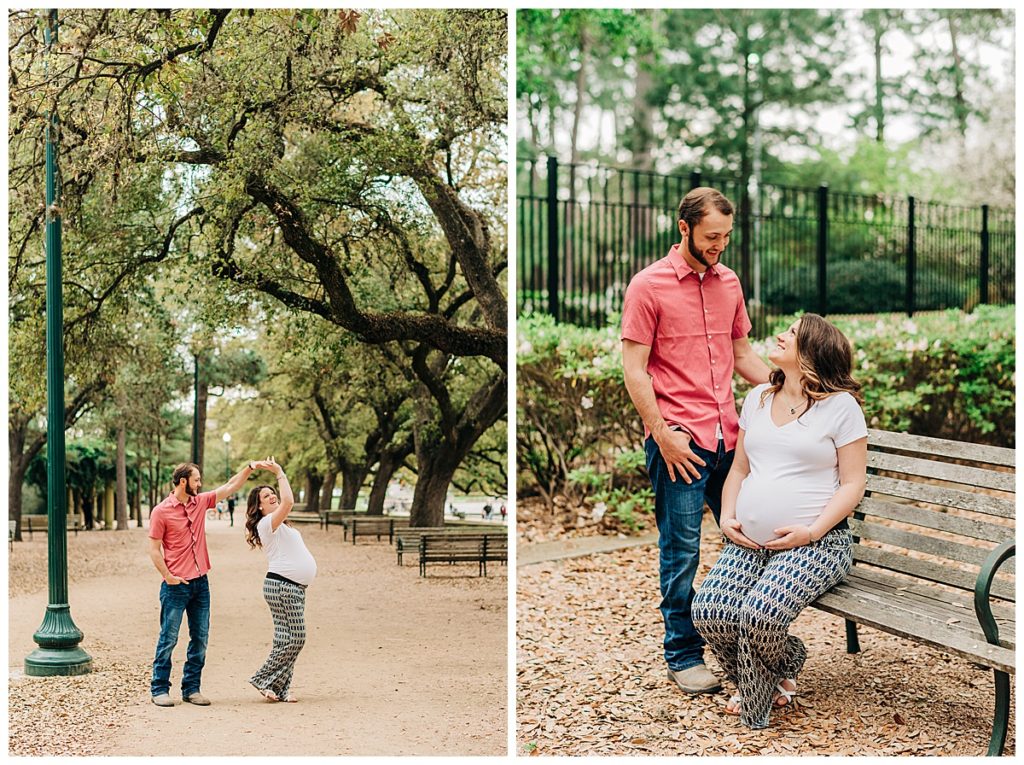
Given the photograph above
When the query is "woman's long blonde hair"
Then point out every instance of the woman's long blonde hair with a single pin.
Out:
(825, 357)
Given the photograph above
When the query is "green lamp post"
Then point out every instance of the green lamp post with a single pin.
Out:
(57, 637)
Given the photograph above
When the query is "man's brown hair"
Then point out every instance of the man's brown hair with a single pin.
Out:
(184, 470)
(696, 203)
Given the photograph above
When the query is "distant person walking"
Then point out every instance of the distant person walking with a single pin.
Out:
(177, 547)
(290, 569)
(231, 509)
(684, 332)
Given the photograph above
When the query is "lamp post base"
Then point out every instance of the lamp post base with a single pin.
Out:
(58, 652)
(49, 662)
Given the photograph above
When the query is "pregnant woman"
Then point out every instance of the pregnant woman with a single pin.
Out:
(290, 569)
(799, 471)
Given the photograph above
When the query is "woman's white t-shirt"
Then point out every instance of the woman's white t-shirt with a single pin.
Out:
(794, 469)
(286, 552)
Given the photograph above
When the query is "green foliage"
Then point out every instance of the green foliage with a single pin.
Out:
(948, 375)
(624, 494)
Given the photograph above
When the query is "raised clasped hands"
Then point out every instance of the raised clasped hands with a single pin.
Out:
(268, 464)
(789, 537)
(733, 531)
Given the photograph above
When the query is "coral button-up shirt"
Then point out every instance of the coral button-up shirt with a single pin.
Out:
(689, 324)
(181, 530)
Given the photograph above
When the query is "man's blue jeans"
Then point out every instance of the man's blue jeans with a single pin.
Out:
(177, 600)
(678, 509)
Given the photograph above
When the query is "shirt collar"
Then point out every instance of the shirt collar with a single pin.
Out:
(682, 268)
(174, 501)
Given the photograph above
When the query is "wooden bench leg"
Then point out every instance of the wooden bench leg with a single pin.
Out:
(852, 642)
(1002, 716)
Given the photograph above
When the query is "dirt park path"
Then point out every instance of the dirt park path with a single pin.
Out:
(393, 664)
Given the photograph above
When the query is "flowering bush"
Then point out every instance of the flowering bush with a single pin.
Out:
(948, 374)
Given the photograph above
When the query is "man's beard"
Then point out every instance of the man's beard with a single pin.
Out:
(189, 490)
(698, 255)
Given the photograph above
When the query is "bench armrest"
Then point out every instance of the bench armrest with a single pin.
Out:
(984, 584)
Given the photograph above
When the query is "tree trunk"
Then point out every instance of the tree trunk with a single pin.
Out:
(88, 506)
(879, 87)
(642, 135)
(16, 477)
(122, 480)
(312, 493)
(326, 491)
(959, 100)
(436, 468)
(581, 90)
(386, 467)
(352, 479)
(202, 398)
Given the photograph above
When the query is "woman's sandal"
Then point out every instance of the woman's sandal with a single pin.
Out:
(785, 694)
(733, 707)
(266, 693)
(289, 698)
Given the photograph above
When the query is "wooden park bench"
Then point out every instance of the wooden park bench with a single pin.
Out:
(41, 523)
(407, 540)
(916, 574)
(463, 548)
(337, 517)
(374, 525)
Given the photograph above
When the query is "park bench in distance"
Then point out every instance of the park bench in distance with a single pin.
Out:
(463, 548)
(933, 588)
(41, 523)
(408, 539)
(375, 525)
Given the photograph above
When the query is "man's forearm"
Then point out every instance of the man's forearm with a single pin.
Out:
(236, 482)
(158, 561)
(751, 368)
(641, 391)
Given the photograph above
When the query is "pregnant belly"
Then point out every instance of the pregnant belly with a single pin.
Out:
(763, 506)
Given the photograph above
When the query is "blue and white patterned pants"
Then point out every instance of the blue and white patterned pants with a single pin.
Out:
(747, 602)
(287, 603)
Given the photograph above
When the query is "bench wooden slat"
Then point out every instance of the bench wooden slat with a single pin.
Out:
(887, 616)
(933, 519)
(943, 471)
(936, 605)
(933, 572)
(903, 607)
(941, 495)
(941, 447)
(941, 548)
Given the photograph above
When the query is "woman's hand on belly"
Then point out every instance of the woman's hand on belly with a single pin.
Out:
(790, 537)
(733, 531)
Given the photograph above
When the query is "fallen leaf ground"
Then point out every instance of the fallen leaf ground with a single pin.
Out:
(591, 679)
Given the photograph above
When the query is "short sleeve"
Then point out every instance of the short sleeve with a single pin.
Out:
(156, 525)
(741, 322)
(206, 500)
(265, 529)
(749, 404)
(639, 311)
(848, 424)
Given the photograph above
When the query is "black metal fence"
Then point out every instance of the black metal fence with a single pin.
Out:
(583, 230)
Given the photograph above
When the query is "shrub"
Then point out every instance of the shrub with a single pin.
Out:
(948, 374)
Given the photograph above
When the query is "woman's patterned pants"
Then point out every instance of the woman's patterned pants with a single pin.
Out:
(287, 603)
(746, 604)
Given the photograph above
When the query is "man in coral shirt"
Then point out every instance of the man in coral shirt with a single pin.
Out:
(684, 333)
(177, 547)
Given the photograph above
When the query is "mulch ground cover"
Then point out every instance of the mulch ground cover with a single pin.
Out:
(591, 678)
